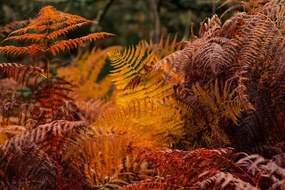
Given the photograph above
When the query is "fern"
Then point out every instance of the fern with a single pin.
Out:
(43, 31)
(40, 134)
(84, 74)
(7, 29)
(27, 169)
(147, 131)
(226, 181)
(51, 93)
(107, 158)
(22, 72)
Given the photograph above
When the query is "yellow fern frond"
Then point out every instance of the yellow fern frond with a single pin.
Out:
(144, 121)
(128, 64)
(151, 87)
(225, 102)
(84, 73)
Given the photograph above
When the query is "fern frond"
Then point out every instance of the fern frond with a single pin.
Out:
(36, 38)
(160, 125)
(210, 28)
(51, 19)
(17, 51)
(222, 180)
(264, 169)
(184, 167)
(27, 169)
(128, 64)
(84, 74)
(106, 154)
(41, 134)
(52, 93)
(8, 28)
(41, 34)
(70, 44)
(22, 73)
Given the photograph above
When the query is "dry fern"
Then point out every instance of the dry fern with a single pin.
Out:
(40, 134)
(41, 33)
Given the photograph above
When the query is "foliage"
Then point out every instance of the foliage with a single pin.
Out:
(164, 117)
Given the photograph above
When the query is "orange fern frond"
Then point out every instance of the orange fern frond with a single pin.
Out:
(63, 45)
(41, 34)
(5, 30)
(51, 19)
(28, 50)
(84, 73)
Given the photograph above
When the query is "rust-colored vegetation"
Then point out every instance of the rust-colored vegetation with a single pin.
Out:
(208, 113)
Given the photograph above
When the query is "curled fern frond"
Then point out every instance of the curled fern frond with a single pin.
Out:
(128, 64)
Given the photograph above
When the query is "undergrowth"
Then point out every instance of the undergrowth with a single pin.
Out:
(206, 113)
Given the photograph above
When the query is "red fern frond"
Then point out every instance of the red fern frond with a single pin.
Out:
(22, 73)
(52, 93)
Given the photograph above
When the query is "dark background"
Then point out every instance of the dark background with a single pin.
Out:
(129, 20)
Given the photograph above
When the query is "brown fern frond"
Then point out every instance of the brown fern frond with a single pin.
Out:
(212, 169)
(264, 169)
(27, 169)
(41, 134)
(186, 168)
(222, 180)
(52, 93)
(22, 73)
(210, 28)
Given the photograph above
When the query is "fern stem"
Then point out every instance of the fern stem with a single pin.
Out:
(57, 165)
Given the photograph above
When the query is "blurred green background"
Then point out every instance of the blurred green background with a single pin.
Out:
(129, 20)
